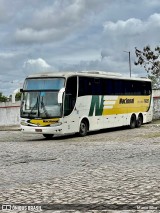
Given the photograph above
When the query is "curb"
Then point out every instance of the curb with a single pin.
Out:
(10, 128)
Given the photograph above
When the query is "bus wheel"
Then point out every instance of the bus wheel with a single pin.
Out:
(139, 121)
(83, 128)
(48, 136)
(133, 122)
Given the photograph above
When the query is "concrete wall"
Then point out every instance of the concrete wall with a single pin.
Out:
(156, 104)
(9, 113)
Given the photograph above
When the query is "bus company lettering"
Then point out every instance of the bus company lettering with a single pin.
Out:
(126, 101)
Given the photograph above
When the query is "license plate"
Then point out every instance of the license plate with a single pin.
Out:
(38, 130)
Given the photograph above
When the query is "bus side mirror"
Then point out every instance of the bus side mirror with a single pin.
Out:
(60, 95)
(21, 90)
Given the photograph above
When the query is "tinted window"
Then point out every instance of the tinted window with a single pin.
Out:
(70, 95)
(85, 86)
(44, 84)
(102, 86)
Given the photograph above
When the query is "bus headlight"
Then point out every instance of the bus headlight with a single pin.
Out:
(23, 123)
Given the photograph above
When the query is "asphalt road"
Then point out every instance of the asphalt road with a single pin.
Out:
(112, 166)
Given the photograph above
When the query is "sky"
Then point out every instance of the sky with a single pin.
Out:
(73, 35)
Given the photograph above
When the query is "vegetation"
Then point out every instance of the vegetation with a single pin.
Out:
(18, 96)
(3, 98)
(150, 60)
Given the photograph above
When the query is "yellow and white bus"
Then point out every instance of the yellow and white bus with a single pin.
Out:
(64, 103)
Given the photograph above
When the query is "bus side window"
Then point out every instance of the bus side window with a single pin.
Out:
(70, 95)
(110, 87)
(146, 88)
(85, 86)
(96, 86)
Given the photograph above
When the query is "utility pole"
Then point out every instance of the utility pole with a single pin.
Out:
(129, 59)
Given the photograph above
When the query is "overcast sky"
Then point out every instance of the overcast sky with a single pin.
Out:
(72, 35)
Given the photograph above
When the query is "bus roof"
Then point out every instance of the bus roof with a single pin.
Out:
(96, 74)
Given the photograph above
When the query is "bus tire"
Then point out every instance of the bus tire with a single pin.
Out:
(83, 129)
(139, 121)
(133, 121)
(48, 136)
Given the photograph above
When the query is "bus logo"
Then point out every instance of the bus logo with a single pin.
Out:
(97, 104)
(126, 101)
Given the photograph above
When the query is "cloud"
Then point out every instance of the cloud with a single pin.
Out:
(74, 35)
(154, 20)
(10, 62)
(4, 15)
(8, 55)
(133, 26)
(106, 64)
(52, 23)
(36, 65)
(58, 21)
(65, 14)
(153, 3)
(125, 35)
(129, 27)
(29, 35)
(104, 53)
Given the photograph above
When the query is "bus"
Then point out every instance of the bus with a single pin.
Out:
(79, 102)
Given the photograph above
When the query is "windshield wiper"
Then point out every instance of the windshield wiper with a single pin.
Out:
(34, 107)
(44, 108)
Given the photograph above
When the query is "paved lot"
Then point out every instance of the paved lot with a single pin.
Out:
(119, 166)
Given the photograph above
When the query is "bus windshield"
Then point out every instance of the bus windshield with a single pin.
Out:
(40, 105)
(40, 98)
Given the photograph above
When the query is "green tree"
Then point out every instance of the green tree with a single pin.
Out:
(2, 97)
(150, 60)
(18, 96)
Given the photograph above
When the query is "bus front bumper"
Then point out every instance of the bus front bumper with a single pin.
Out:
(56, 130)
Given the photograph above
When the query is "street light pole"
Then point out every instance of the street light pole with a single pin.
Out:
(129, 55)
